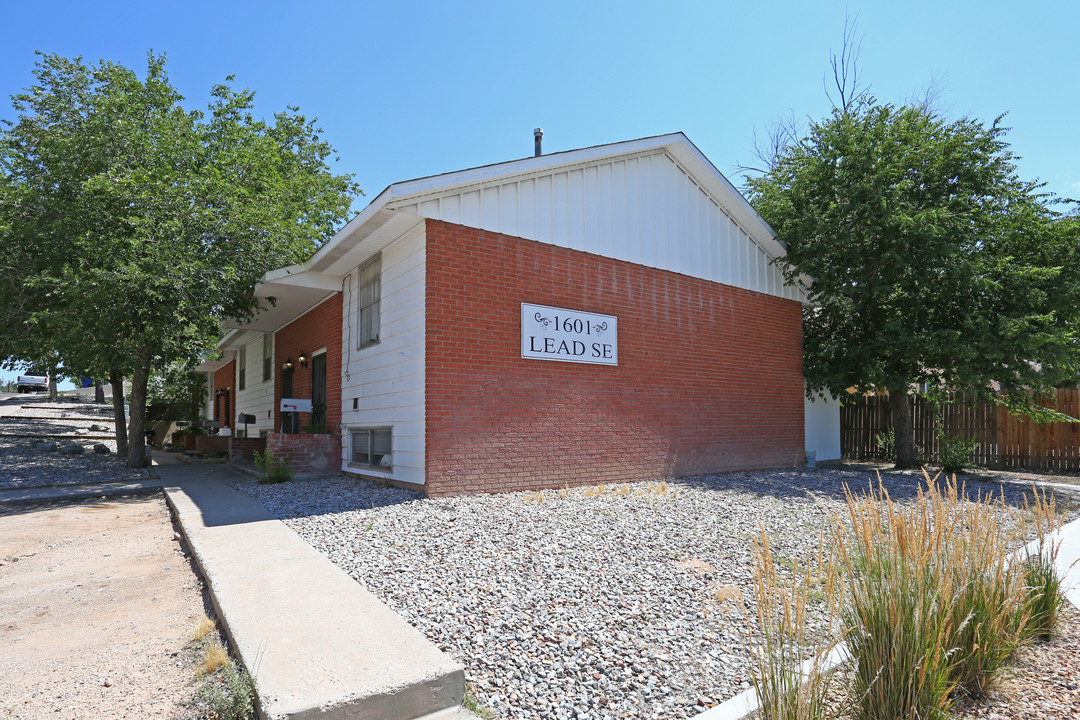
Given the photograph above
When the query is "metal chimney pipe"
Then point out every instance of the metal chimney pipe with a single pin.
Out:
(538, 137)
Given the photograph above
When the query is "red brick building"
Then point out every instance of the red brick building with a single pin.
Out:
(599, 315)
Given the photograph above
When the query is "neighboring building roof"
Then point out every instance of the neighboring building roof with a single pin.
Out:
(459, 197)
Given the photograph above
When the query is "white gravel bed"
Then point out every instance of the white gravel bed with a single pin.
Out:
(626, 601)
(22, 465)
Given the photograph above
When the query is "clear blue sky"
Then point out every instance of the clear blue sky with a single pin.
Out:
(407, 89)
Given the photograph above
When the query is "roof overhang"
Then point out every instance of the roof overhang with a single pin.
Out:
(289, 292)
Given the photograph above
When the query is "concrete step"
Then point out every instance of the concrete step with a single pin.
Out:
(316, 641)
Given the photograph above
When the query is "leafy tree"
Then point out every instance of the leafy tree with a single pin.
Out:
(925, 258)
(136, 224)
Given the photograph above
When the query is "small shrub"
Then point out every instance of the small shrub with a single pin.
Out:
(315, 428)
(271, 470)
(232, 697)
(886, 445)
(954, 452)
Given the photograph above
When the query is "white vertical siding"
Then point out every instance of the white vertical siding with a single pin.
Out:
(643, 209)
(387, 379)
(822, 428)
(257, 397)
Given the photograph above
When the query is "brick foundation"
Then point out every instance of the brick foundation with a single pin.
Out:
(709, 375)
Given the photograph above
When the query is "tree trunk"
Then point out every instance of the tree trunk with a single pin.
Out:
(99, 391)
(117, 382)
(136, 429)
(903, 428)
(53, 397)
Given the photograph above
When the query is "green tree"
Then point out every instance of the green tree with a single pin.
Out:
(137, 224)
(925, 258)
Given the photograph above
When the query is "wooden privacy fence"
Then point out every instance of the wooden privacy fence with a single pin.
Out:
(1002, 440)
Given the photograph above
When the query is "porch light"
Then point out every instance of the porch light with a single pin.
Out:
(303, 359)
(287, 365)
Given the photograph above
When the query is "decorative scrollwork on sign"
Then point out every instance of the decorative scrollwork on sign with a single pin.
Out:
(543, 320)
(599, 328)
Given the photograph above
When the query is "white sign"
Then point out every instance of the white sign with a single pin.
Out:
(295, 405)
(549, 333)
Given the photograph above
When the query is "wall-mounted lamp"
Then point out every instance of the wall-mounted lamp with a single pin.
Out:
(303, 359)
(287, 365)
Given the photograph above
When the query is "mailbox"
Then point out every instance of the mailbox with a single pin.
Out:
(295, 405)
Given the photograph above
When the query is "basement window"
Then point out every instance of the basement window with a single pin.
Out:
(371, 447)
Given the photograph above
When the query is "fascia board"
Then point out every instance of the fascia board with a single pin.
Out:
(721, 188)
(450, 181)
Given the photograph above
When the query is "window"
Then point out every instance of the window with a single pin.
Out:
(241, 364)
(268, 356)
(370, 294)
(372, 448)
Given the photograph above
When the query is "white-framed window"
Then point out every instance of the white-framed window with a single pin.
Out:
(370, 295)
(241, 364)
(268, 357)
(371, 447)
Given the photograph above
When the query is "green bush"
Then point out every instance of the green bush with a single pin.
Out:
(954, 452)
(271, 470)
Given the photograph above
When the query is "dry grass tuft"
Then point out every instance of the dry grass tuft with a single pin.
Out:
(214, 658)
(791, 673)
(203, 627)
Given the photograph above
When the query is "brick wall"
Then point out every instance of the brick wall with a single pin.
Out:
(245, 448)
(306, 454)
(709, 375)
(319, 327)
(224, 378)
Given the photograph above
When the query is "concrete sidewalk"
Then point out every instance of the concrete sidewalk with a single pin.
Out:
(316, 641)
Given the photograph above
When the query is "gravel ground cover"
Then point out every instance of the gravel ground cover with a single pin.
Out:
(22, 465)
(604, 602)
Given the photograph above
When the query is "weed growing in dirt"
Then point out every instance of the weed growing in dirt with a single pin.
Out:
(271, 470)
(203, 627)
(230, 696)
(214, 657)
(474, 706)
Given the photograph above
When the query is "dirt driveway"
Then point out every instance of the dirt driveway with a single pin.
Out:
(97, 606)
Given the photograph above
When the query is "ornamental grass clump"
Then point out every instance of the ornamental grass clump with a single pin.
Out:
(1043, 584)
(791, 674)
(899, 609)
(935, 605)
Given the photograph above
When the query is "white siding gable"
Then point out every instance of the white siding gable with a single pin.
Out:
(645, 209)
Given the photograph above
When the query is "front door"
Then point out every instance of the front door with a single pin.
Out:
(289, 420)
(318, 390)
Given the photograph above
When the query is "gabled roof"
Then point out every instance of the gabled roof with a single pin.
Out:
(398, 209)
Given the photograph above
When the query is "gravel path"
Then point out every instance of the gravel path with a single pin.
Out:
(22, 465)
(624, 601)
